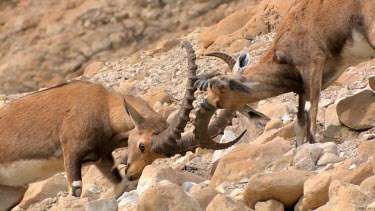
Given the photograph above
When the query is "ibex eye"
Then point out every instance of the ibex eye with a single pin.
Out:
(142, 147)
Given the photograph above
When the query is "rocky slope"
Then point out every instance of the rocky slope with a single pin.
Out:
(42, 43)
(265, 171)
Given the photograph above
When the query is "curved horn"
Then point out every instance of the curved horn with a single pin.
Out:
(166, 142)
(201, 136)
(228, 59)
(223, 119)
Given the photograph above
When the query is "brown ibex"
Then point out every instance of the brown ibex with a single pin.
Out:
(317, 41)
(76, 123)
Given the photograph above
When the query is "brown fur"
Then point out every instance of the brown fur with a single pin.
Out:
(305, 57)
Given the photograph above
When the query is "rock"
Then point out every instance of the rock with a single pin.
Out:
(204, 196)
(330, 147)
(366, 149)
(187, 185)
(93, 68)
(325, 103)
(181, 162)
(273, 110)
(157, 94)
(348, 79)
(368, 186)
(316, 188)
(328, 158)
(126, 86)
(371, 207)
(344, 196)
(371, 82)
(225, 203)
(166, 197)
(306, 157)
(70, 203)
(246, 160)
(226, 137)
(128, 200)
(274, 123)
(358, 112)
(95, 184)
(153, 174)
(274, 185)
(237, 194)
(45, 189)
(270, 205)
(334, 130)
(224, 187)
(102, 204)
(228, 25)
(284, 162)
(315, 191)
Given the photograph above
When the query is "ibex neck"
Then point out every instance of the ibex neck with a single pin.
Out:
(269, 80)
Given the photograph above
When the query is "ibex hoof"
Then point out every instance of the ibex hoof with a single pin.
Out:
(77, 188)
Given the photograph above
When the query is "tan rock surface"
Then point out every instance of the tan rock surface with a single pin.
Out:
(275, 185)
(246, 160)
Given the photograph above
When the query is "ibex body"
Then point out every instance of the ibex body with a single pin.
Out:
(317, 42)
(62, 128)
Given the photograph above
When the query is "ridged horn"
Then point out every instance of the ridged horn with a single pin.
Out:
(166, 142)
(225, 57)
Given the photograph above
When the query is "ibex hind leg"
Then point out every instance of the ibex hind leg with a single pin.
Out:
(300, 124)
(11, 196)
(313, 85)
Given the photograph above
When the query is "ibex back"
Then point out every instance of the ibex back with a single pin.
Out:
(317, 42)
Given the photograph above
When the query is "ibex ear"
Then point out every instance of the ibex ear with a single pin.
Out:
(242, 63)
(134, 115)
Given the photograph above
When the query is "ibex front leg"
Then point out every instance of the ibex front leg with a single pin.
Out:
(107, 167)
(73, 165)
(312, 81)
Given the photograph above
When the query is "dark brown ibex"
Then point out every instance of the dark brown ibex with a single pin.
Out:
(76, 123)
(317, 42)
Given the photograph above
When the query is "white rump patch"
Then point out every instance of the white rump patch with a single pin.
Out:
(307, 106)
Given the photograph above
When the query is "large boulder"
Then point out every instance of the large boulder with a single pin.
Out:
(345, 196)
(166, 197)
(306, 157)
(45, 189)
(285, 187)
(358, 111)
(354, 171)
(246, 160)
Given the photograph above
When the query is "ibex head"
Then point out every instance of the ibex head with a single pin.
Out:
(151, 141)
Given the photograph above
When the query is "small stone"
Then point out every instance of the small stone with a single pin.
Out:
(353, 166)
(187, 186)
(223, 187)
(306, 157)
